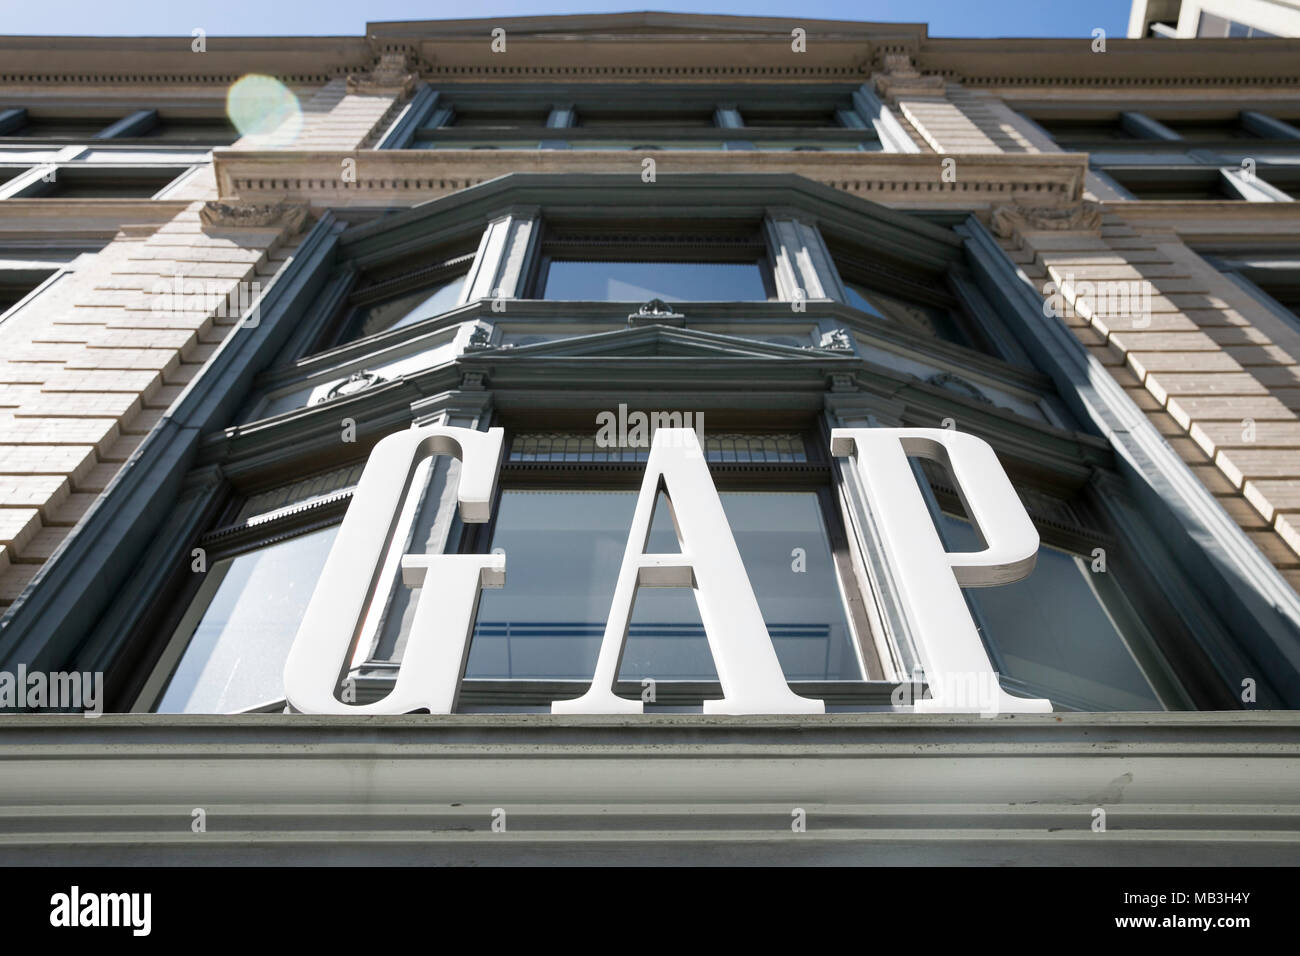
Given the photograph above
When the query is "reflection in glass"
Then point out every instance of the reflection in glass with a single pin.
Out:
(858, 299)
(1054, 632)
(642, 281)
(563, 553)
(241, 625)
(411, 308)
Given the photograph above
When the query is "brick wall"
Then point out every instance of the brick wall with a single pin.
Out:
(1210, 380)
(92, 364)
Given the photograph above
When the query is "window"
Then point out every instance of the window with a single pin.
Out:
(1075, 135)
(412, 307)
(64, 128)
(215, 131)
(236, 635)
(1210, 130)
(100, 182)
(1205, 184)
(630, 281)
(940, 318)
(665, 120)
(1271, 276)
(549, 620)
(1061, 632)
(1211, 26)
(786, 119)
(17, 283)
(498, 119)
(398, 299)
(775, 118)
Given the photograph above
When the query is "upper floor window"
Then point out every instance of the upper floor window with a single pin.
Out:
(769, 118)
(93, 181)
(398, 299)
(590, 263)
(1209, 25)
(630, 281)
(423, 303)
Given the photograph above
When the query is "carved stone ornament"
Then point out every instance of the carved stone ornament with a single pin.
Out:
(356, 382)
(837, 340)
(480, 338)
(900, 77)
(290, 216)
(392, 75)
(1083, 216)
(656, 311)
(959, 386)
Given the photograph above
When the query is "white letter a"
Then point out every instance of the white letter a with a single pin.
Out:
(748, 669)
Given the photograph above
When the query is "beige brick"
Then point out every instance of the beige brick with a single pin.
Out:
(143, 383)
(1244, 513)
(18, 526)
(143, 421)
(1212, 435)
(1144, 362)
(1270, 497)
(1277, 376)
(1213, 479)
(1188, 408)
(1139, 341)
(1239, 464)
(1287, 526)
(123, 448)
(74, 461)
(1251, 355)
(1275, 549)
(99, 432)
(45, 492)
(13, 581)
(116, 405)
(43, 545)
(1163, 385)
(73, 509)
(1237, 335)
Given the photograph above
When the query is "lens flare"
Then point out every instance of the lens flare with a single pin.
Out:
(265, 110)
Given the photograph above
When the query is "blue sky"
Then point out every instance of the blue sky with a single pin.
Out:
(975, 18)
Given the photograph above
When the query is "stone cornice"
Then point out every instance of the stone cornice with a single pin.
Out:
(170, 62)
(651, 46)
(1011, 62)
(398, 177)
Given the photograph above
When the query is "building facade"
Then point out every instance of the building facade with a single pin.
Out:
(231, 269)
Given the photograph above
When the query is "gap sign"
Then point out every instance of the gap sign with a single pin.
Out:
(928, 577)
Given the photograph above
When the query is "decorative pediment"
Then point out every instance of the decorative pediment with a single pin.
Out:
(655, 341)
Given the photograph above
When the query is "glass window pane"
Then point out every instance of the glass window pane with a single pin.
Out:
(237, 648)
(1053, 631)
(411, 308)
(642, 281)
(858, 299)
(563, 553)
